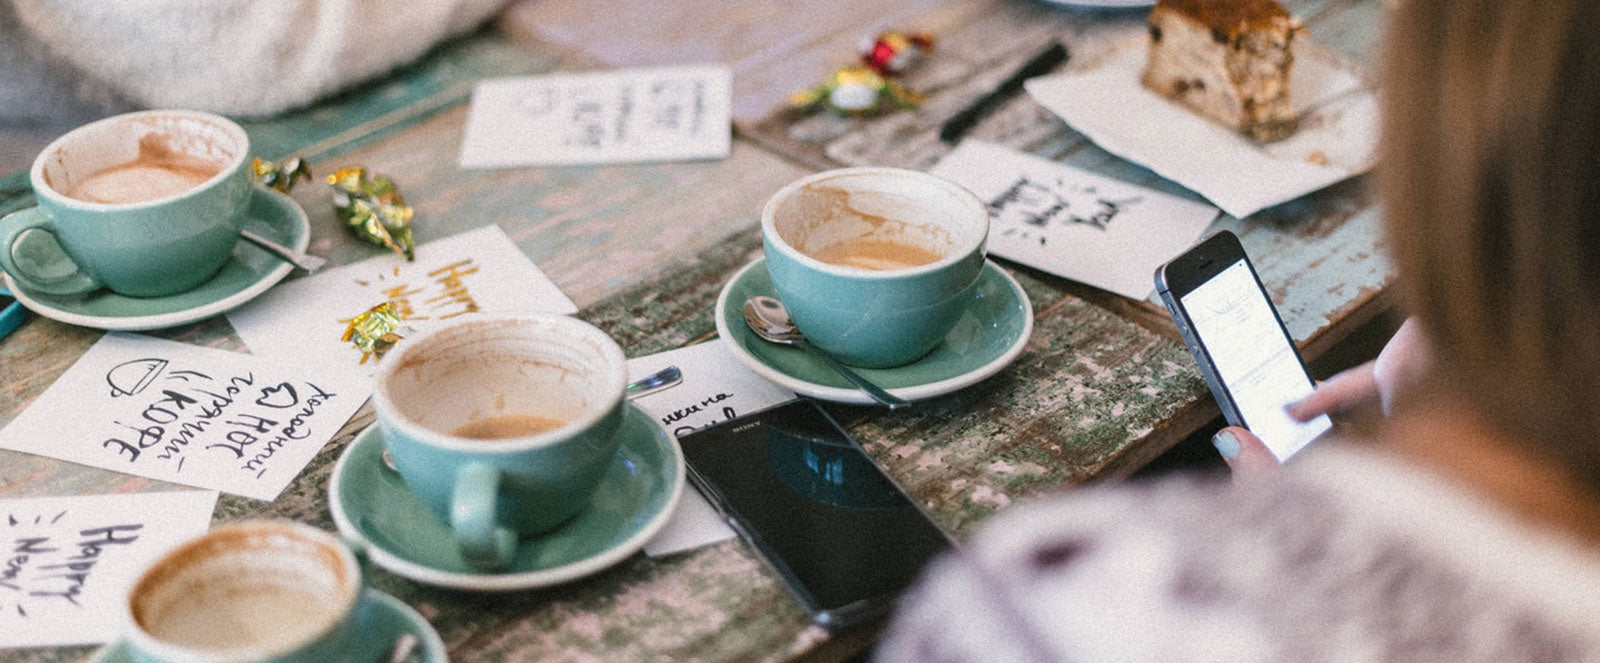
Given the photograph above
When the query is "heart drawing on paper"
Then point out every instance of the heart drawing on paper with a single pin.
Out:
(280, 396)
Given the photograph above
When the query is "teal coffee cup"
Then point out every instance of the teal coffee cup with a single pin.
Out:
(874, 264)
(145, 204)
(503, 425)
(275, 591)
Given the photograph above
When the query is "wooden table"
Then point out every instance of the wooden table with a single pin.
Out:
(1102, 387)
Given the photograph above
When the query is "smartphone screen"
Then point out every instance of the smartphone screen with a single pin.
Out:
(842, 535)
(1239, 331)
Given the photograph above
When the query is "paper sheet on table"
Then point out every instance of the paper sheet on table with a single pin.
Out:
(188, 414)
(1105, 102)
(631, 115)
(1073, 223)
(479, 270)
(715, 388)
(70, 560)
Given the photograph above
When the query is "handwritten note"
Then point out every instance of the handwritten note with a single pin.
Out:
(479, 270)
(187, 414)
(1072, 223)
(715, 388)
(66, 562)
(633, 115)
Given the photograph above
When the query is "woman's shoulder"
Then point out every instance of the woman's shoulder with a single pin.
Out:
(1345, 551)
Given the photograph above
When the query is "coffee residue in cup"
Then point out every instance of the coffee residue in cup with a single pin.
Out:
(158, 172)
(825, 225)
(271, 614)
(507, 426)
(875, 254)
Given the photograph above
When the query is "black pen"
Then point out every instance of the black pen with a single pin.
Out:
(1040, 64)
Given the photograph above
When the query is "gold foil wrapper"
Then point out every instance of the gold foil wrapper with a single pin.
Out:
(282, 176)
(855, 90)
(374, 331)
(372, 208)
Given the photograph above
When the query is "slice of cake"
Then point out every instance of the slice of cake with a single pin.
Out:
(1228, 60)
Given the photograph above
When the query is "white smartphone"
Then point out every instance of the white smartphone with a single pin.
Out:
(1244, 351)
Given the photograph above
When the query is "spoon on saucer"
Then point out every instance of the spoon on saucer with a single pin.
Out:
(404, 650)
(770, 320)
(661, 380)
(304, 261)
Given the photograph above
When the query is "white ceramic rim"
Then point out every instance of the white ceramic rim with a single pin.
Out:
(769, 229)
(856, 396)
(164, 320)
(610, 351)
(135, 635)
(505, 582)
(42, 188)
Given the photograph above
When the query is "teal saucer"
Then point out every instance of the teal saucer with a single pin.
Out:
(636, 496)
(380, 619)
(989, 335)
(251, 272)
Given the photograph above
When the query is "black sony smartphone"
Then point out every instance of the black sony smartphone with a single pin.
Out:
(844, 538)
(1244, 351)
(11, 313)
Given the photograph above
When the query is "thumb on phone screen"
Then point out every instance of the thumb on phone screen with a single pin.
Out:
(1245, 454)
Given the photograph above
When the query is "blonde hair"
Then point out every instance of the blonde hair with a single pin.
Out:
(1491, 185)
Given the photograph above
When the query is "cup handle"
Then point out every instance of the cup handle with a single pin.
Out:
(484, 544)
(25, 265)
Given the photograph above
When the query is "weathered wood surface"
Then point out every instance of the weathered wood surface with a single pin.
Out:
(1321, 256)
(1100, 389)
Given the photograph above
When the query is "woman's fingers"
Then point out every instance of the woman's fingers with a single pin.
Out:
(1341, 392)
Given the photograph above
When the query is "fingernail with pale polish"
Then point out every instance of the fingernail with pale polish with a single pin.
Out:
(1226, 444)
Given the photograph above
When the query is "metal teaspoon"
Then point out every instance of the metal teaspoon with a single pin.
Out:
(770, 320)
(304, 261)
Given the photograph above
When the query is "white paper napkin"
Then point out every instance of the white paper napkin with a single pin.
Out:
(1105, 102)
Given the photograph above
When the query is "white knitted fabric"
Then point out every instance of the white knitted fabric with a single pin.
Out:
(1349, 556)
(235, 57)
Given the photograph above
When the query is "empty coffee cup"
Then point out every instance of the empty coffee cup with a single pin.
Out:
(145, 204)
(874, 264)
(503, 425)
(253, 591)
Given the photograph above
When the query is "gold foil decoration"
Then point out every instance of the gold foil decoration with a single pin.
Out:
(282, 176)
(855, 90)
(374, 331)
(373, 209)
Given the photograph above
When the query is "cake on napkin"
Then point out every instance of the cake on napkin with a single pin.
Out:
(1228, 60)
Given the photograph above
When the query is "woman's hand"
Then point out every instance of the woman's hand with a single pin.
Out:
(1401, 364)
(1245, 454)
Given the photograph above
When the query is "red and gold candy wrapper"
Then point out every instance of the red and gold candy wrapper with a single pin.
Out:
(373, 209)
(869, 88)
(893, 52)
(855, 90)
(374, 331)
(282, 176)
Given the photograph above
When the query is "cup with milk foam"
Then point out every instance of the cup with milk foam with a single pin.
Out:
(144, 204)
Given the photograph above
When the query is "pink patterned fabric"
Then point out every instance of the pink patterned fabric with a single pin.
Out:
(1347, 556)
